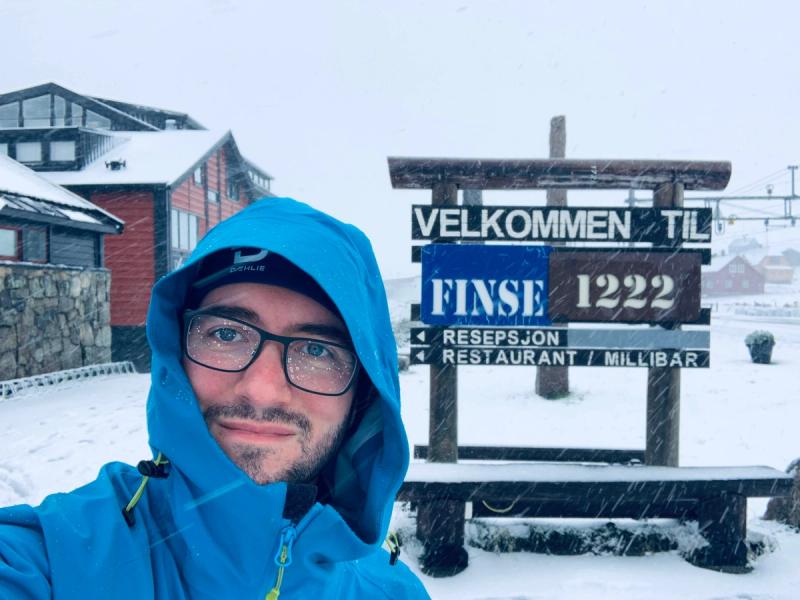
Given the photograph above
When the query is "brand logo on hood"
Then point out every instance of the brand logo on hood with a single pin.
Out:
(239, 258)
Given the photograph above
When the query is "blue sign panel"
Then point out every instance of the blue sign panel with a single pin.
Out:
(503, 286)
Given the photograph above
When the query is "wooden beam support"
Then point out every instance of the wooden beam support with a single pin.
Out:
(443, 425)
(521, 174)
(440, 523)
(663, 383)
(553, 382)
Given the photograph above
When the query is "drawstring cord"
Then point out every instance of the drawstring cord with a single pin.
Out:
(394, 547)
(283, 559)
(500, 511)
(148, 468)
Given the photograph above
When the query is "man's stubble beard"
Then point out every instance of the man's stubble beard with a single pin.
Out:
(252, 458)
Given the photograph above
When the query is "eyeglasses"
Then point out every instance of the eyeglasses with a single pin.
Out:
(227, 344)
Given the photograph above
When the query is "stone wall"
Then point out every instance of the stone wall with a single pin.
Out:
(52, 318)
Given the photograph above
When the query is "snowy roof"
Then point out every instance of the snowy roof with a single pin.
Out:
(151, 157)
(23, 189)
(128, 107)
(719, 262)
(753, 258)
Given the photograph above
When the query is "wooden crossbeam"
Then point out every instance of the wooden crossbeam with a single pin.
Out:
(642, 484)
(599, 455)
(520, 174)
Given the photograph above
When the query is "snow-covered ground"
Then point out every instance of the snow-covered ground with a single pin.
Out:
(735, 413)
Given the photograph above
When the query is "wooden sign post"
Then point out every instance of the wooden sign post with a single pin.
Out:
(664, 384)
(441, 524)
(518, 286)
(553, 382)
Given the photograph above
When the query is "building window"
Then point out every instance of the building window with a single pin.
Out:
(212, 195)
(745, 284)
(4, 149)
(76, 120)
(9, 243)
(193, 225)
(184, 230)
(34, 245)
(175, 229)
(59, 111)
(36, 111)
(96, 121)
(198, 176)
(62, 150)
(29, 152)
(233, 189)
(9, 115)
(728, 284)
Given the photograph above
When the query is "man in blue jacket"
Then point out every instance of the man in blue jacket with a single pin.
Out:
(274, 422)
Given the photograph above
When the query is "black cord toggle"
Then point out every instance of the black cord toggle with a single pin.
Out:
(128, 516)
(150, 468)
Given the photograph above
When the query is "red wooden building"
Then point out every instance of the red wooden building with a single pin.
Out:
(732, 277)
(159, 171)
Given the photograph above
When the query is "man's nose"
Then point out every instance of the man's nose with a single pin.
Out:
(264, 381)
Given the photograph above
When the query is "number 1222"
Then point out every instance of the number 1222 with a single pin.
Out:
(634, 293)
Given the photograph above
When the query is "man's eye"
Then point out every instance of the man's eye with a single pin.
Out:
(316, 349)
(225, 334)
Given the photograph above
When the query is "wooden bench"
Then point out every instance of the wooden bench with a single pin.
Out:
(543, 454)
(716, 497)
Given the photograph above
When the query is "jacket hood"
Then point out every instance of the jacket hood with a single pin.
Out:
(372, 461)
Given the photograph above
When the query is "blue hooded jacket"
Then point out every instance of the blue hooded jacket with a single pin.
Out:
(207, 530)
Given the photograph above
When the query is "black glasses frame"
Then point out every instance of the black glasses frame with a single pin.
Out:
(265, 337)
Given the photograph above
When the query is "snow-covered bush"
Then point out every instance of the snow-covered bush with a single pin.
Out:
(760, 344)
(760, 337)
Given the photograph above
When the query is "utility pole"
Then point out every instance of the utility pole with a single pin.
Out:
(787, 203)
(553, 382)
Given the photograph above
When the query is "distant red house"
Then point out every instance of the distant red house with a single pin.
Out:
(169, 179)
(735, 277)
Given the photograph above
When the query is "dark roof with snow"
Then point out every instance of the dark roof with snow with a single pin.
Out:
(26, 194)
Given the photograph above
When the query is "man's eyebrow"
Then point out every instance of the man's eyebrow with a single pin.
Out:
(334, 333)
(331, 332)
(234, 312)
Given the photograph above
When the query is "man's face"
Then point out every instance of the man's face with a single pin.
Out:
(272, 430)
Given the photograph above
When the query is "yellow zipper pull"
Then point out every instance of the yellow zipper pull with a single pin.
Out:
(283, 559)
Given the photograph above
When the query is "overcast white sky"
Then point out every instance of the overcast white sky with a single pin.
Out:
(320, 93)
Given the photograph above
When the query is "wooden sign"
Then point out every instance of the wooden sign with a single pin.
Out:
(503, 286)
(585, 224)
(529, 286)
(468, 336)
(562, 357)
(612, 339)
(624, 287)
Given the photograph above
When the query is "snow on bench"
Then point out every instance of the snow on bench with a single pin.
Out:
(424, 472)
(716, 497)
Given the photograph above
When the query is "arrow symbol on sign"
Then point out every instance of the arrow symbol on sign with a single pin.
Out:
(421, 355)
(421, 336)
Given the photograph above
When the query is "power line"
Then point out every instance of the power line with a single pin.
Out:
(757, 182)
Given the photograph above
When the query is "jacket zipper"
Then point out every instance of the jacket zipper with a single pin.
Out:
(283, 558)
